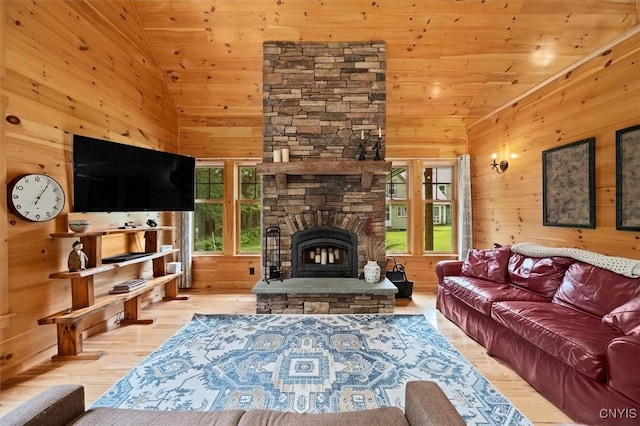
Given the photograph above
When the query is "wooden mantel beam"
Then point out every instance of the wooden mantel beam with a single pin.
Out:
(366, 169)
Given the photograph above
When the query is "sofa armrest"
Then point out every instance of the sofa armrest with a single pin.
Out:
(623, 367)
(426, 404)
(56, 406)
(445, 268)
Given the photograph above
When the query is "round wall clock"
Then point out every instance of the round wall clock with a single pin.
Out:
(35, 197)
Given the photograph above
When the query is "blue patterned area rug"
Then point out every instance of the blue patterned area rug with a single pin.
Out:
(306, 363)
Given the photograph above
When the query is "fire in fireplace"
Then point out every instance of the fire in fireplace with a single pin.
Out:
(324, 252)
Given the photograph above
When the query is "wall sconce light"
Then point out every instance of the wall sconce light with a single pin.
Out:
(500, 167)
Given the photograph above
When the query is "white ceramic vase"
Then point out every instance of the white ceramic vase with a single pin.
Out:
(371, 272)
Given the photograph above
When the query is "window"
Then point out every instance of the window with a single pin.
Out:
(227, 217)
(249, 209)
(420, 206)
(438, 200)
(208, 215)
(397, 183)
(397, 213)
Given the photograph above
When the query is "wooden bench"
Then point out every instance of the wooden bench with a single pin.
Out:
(69, 322)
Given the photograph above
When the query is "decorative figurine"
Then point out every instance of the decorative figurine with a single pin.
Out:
(77, 258)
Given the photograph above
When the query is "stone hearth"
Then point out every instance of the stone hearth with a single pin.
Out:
(324, 296)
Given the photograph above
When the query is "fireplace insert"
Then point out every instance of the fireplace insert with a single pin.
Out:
(324, 253)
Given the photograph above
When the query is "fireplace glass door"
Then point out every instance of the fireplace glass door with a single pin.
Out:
(324, 252)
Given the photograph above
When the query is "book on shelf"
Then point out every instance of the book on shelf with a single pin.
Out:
(127, 286)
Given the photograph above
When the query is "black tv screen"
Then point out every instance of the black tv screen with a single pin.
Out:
(113, 177)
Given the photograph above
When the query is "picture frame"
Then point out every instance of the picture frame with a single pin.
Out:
(568, 185)
(628, 178)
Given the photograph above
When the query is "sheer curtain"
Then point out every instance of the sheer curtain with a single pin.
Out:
(465, 224)
(185, 237)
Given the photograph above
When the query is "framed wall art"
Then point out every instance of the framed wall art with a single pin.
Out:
(568, 185)
(628, 179)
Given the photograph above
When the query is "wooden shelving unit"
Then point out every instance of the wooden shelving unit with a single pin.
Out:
(83, 300)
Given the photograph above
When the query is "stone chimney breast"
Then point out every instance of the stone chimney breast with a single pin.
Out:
(322, 101)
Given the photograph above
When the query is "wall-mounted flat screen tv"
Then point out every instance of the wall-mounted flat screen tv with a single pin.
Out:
(114, 177)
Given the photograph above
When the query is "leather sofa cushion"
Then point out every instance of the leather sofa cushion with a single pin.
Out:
(575, 338)
(625, 318)
(480, 294)
(489, 264)
(121, 416)
(540, 275)
(595, 290)
(392, 416)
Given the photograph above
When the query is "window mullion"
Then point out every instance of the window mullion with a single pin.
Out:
(229, 208)
(415, 207)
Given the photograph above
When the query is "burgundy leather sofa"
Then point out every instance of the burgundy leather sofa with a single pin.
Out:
(570, 329)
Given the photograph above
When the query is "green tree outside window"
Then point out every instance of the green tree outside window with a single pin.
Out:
(208, 215)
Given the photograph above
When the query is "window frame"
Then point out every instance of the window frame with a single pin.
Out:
(402, 211)
(392, 200)
(211, 164)
(416, 204)
(239, 202)
(451, 200)
(231, 205)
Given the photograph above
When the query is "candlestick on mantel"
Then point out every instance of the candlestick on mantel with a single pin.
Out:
(276, 156)
(379, 132)
(362, 136)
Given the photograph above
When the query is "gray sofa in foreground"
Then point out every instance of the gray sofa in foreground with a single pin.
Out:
(425, 404)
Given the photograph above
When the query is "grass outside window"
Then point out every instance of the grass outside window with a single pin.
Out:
(397, 239)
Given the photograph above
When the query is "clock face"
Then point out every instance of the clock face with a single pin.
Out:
(35, 197)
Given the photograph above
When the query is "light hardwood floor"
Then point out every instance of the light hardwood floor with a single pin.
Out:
(126, 346)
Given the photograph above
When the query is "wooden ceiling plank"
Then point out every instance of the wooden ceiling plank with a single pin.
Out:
(480, 53)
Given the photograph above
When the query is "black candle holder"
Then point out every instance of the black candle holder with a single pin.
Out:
(377, 150)
(362, 150)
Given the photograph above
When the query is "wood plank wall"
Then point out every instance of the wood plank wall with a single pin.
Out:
(213, 57)
(236, 131)
(4, 238)
(63, 76)
(225, 60)
(594, 100)
(85, 67)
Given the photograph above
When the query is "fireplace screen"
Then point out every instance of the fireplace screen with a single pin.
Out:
(324, 252)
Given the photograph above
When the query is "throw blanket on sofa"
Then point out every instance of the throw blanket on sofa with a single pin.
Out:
(620, 265)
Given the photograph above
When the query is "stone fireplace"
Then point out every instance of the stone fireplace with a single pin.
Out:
(325, 103)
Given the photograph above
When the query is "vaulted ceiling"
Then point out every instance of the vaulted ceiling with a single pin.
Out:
(446, 58)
